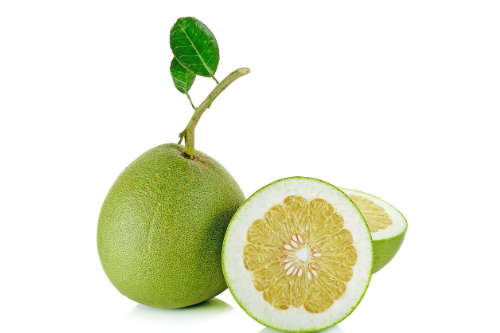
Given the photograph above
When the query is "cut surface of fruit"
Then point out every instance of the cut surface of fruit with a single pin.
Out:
(297, 255)
(387, 226)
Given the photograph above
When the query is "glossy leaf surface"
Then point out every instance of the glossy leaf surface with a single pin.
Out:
(195, 46)
(183, 78)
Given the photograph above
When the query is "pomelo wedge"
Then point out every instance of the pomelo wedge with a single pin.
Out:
(297, 255)
(387, 226)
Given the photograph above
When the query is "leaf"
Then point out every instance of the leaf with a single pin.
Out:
(195, 46)
(183, 78)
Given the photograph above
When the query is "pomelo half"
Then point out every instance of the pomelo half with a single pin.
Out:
(297, 255)
(387, 226)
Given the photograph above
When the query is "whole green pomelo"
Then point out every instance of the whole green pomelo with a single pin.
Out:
(162, 226)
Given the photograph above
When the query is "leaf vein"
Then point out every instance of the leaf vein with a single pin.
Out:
(208, 70)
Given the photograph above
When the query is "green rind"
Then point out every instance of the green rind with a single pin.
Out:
(316, 329)
(384, 250)
(162, 226)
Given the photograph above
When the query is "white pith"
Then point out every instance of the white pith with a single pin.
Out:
(398, 221)
(297, 258)
(240, 281)
(302, 254)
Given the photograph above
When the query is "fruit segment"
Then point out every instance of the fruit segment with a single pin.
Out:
(376, 217)
(300, 254)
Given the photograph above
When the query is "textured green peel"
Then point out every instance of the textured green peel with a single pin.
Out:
(162, 225)
(385, 249)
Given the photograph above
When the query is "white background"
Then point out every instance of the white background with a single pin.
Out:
(399, 99)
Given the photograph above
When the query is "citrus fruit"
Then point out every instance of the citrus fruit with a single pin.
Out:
(162, 225)
(387, 226)
(297, 255)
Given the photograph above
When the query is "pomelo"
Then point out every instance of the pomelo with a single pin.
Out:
(162, 225)
(387, 226)
(297, 255)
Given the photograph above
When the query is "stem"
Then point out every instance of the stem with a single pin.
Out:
(213, 77)
(188, 133)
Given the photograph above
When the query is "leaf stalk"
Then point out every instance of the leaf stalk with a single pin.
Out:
(190, 101)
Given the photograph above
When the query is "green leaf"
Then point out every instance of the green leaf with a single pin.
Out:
(183, 78)
(195, 46)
